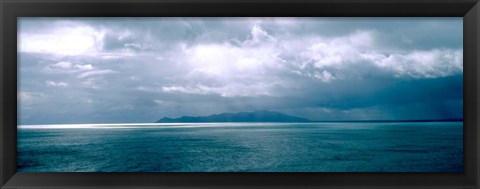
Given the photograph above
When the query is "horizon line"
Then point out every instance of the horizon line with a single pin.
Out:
(310, 121)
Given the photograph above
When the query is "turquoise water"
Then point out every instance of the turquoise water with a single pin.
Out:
(243, 147)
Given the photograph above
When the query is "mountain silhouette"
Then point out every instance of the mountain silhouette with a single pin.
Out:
(257, 116)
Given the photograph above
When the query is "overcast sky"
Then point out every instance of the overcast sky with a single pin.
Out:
(118, 70)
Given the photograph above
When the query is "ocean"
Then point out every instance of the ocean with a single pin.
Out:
(242, 147)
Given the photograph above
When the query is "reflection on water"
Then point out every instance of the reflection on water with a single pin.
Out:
(242, 147)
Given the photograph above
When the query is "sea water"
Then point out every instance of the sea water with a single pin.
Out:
(242, 147)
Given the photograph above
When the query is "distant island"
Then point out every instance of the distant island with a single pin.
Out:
(256, 116)
(272, 116)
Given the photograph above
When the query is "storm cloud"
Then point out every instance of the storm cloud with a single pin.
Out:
(121, 70)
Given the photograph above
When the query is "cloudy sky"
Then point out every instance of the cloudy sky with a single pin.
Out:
(118, 70)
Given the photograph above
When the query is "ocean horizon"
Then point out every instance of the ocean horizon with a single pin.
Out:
(242, 147)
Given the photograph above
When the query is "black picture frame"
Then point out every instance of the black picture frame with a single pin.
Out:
(12, 9)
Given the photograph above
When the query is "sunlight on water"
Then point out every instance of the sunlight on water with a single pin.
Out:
(242, 147)
(155, 125)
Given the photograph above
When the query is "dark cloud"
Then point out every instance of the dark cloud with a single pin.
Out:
(114, 70)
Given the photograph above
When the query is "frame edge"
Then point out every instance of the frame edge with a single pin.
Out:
(472, 91)
(7, 133)
(6, 174)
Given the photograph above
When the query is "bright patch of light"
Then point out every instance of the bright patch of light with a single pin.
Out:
(68, 40)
